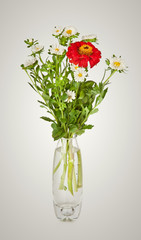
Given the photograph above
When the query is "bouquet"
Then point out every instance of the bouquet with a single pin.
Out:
(68, 96)
(61, 80)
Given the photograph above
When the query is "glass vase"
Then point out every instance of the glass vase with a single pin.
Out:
(67, 179)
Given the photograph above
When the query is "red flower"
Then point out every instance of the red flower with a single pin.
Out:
(80, 53)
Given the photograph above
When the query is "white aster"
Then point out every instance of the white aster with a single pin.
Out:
(57, 49)
(69, 31)
(91, 36)
(117, 63)
(36, 48)
(80, 74)
(57, 30)
(30, 61)
(71, 95)
(74, 67)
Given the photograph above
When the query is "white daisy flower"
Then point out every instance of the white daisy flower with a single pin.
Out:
(80, 74)
(117, 63)
(69, 31)
(74, 67)
(57, 49)
(57, 30)
(30, 61)
(71, 95)
(36, 48)
(91, 36)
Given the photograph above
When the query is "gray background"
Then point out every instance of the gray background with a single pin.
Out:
(111, 151)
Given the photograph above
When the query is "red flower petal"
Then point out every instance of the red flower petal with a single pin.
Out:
(92, 54)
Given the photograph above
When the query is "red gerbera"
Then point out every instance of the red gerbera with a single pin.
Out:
(80, 53)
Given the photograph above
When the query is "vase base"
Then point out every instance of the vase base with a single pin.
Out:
(67, 213)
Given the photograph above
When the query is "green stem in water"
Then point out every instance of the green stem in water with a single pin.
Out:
(58, 165)
(79, 181)
(74, 181)
(71, 171)
(70, 175)
(61, 186)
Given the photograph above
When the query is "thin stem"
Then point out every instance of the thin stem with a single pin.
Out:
(58, 165)
(41, 59)
(70, 175)
(79, 181)
(61, 186)
(70, 168)
(106, 81)
(74, 181)
(103, 75)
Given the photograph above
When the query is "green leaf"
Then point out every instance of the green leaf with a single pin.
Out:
(37, 69)
(107, 61)
(46, 97)
(90, 40)
(88, 84)
(73, 128)
(47, 119)
(42, 102)
(95, 110)
(86, 111)
(104, 93)
(40, 89)
(42, 106)
(80, 132)
(58, 133)
(64, 97)
(101, 86)
(98, 100)
(63, 120)
(88, 126)
(22, 66)
(82, 94)
(32, 86)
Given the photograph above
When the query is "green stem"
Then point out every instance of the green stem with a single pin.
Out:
(61, 186)
(71, 169)
(70, 175)
(79, 180)
(58, 165)
(74, 181)
(103, 75)
(106, 81)
(41, 59)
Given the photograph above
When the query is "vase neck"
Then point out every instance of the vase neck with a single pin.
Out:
(68, 142)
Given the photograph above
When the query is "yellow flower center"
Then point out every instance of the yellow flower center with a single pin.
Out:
(57, 30)
(85, 49)
(76, 67)
(79, 74)
(56, 49)
(117, 64)
(69, 31)
(69, 98)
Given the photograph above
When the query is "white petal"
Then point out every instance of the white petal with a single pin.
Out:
(69, 31)
(30, 61)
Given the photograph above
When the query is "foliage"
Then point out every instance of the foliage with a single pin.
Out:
(52, 78)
